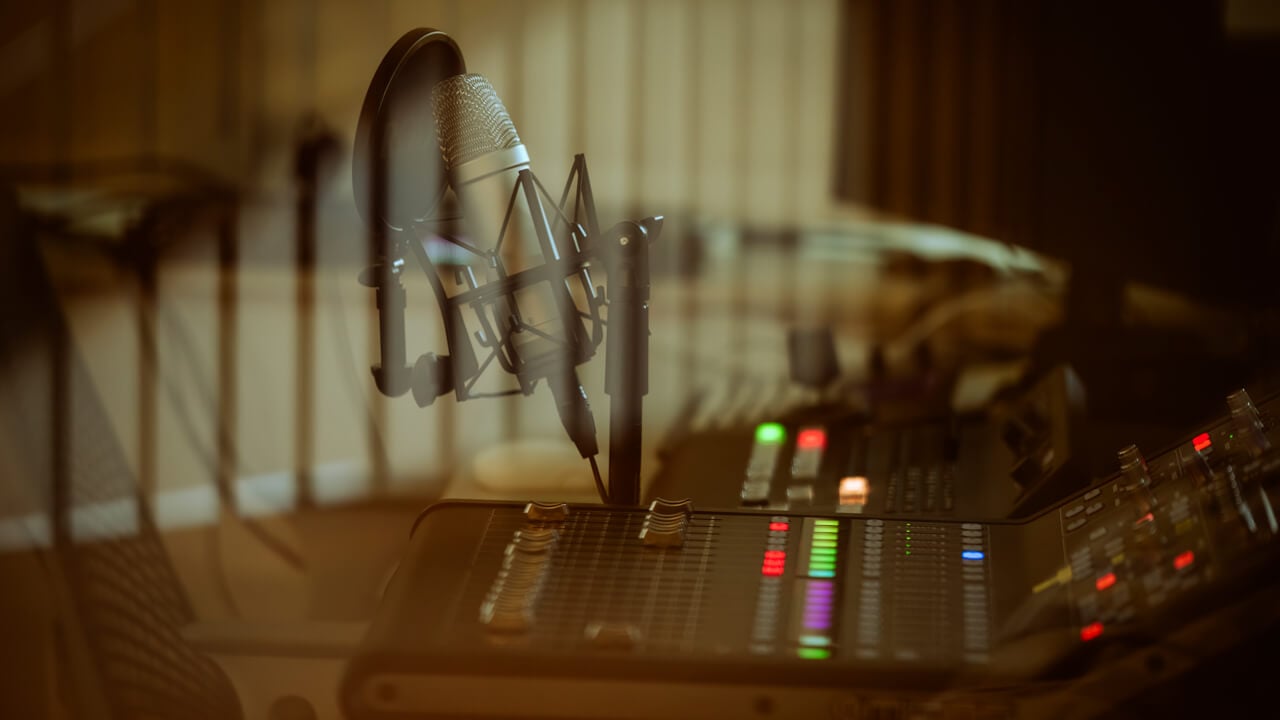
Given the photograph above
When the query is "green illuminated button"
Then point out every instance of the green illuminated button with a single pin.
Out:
(826, 523)
(770, 434)
(815, 640)
(809, 653)
(823, 551)
(824, 543)
(822, 573)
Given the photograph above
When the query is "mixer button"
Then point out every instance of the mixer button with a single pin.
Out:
(1073, 511)
(1096, 507)
(1076, 524)
(800, 494)
(612, 635)
(1092, 494)
(755, 493)
(546, 512)
(662, 506)
(662, 537)
(506, 619)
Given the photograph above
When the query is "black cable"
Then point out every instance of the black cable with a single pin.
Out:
(595, 472)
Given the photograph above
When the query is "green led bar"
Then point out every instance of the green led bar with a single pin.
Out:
(771, 433)
(812, 653)
(823, 545)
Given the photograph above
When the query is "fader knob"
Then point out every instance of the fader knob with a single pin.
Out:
(1197, 467)
(1137, 480)
(1247, 423)
(1133, 467)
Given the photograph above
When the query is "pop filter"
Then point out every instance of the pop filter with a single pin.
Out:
(396, 138)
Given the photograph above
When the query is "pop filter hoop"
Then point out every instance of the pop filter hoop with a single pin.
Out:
(399, 177)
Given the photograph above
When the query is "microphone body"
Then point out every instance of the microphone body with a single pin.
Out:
(539, 327)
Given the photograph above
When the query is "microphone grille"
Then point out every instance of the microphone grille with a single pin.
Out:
(470, 119)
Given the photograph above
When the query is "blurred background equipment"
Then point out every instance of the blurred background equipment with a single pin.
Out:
(923, 261)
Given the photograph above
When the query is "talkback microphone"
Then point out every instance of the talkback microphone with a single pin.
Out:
(484, 158)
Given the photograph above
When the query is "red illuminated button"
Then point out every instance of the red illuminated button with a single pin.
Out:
(1091, 631)
(811, 439)
(1202, 442)
(1184, 560)
(775, 555)
(779, 526)
(1105, 581)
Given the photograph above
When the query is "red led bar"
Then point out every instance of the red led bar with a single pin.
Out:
(811, 439)
(1091, 631)
(1105, 581)
(1184, 560)
(1202, 442)
(779, 527)
(772, 569)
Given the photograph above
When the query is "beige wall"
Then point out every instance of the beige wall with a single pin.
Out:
(709, 108)
(717, 106)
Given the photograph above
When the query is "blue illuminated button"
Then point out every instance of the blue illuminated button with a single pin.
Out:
(972, 555)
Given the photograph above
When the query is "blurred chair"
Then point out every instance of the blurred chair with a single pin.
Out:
(117, 604)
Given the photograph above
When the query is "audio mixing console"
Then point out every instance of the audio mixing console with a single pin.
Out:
(553, 610)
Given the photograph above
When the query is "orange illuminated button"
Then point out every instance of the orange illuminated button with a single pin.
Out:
(853, 490)
(1105, 581)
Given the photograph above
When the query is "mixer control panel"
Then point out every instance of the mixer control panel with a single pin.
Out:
(667, 597)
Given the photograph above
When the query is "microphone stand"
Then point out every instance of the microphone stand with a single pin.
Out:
(625, 251)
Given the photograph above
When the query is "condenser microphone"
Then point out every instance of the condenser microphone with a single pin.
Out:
(484, 158)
